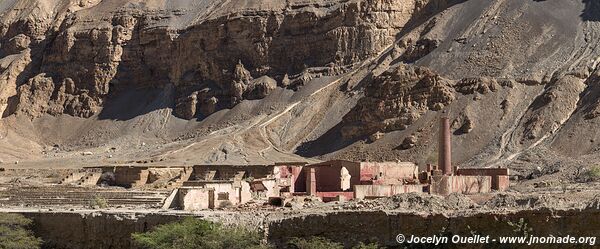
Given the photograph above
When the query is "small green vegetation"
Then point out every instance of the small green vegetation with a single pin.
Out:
(593, 173)
(323, 243)
(14, 233)
(98, 202)
(521, 227)
(313, 243)
(192, 233)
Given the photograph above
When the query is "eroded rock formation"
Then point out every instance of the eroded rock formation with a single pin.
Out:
(215, 59)
(396, 99)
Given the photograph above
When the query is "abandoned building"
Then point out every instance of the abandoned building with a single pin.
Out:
(344, 180)
(130, 176)
(445, 179)
(218, 186)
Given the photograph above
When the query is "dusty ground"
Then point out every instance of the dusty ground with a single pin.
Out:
(541, 193)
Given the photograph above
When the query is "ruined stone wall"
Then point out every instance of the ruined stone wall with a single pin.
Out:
(227, 194)
(387, 172)
(102, 230)
(229, 172)
(500, 176)
(445, 185)
(93, 230)
(193, 199)
(382, 227)
(131, 176)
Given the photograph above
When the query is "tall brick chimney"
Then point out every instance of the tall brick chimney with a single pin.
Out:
(445, 147)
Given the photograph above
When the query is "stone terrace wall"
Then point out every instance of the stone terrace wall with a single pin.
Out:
(110, 230)
(383, 227)
(93, 230)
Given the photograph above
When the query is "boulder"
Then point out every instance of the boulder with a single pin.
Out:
(261, 87)
(186, 107)
(376, 136)
(34, 96)
(209, 106)
(409, 142)
(16, 44)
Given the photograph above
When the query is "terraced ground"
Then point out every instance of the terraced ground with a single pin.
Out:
(79, 197)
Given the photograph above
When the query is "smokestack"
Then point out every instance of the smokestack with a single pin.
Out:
(445, 149)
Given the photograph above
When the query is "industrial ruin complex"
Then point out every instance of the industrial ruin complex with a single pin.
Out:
(217, 186)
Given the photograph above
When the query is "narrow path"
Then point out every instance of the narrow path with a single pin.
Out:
(501, 157)
(227, 132)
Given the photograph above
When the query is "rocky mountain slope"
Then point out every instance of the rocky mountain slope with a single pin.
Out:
(253, 81)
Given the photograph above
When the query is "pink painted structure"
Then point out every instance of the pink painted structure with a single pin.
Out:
(379, 173)
(499, 176)
(445, 147)
(326, 180)
(444, 180)
(375, 191)
(376, 179)
(344, 180)
(445, 184)
(294, 173)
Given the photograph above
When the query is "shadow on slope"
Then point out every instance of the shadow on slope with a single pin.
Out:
(130, 103)
(431, 9)
(329, 142)
(591, 12)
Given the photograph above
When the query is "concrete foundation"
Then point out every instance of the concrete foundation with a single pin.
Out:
(500, 176)
(445, 185)
(86, 177)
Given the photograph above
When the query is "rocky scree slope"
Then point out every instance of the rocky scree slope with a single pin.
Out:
(515, 77)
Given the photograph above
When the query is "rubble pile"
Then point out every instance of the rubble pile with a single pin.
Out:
(414, 202)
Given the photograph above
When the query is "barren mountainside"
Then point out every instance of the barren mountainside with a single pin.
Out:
(98, 82)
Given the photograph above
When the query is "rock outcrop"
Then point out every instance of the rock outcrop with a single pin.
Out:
(396, 99)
